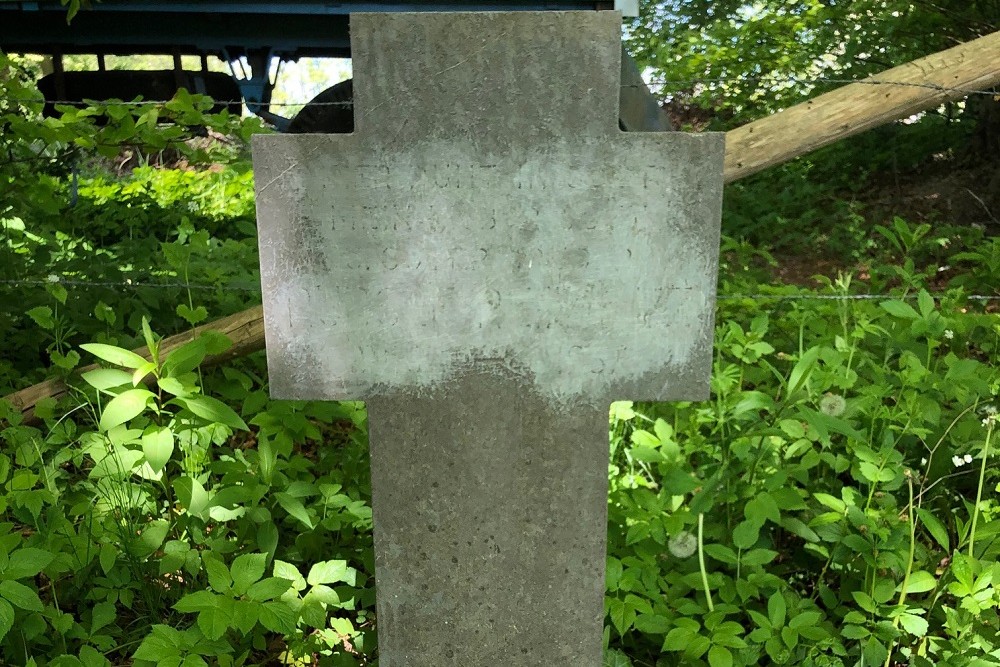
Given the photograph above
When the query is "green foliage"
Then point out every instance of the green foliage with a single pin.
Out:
(827, 505)
(746, 60)
(165, 531)
(66, 220)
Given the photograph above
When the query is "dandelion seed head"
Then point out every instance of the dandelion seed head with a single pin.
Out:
(832, 405)
(682, 545)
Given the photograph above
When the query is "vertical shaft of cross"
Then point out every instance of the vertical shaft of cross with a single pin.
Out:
(490, 525)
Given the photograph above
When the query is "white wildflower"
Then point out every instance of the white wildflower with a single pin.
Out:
(957, 461)
(832, 405)
(923, 461)
(52, 278)
(682, 545)
(968, 458)
(949, 334)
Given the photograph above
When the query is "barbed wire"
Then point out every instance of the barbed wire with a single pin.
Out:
(126, 284)
(129, 284)
(800, 81)
(662, 86)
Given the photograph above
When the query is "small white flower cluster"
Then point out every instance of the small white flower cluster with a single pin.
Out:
(949, 334)
(960, 461)
(990, 420)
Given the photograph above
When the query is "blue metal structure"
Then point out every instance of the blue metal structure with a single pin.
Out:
(257, 31)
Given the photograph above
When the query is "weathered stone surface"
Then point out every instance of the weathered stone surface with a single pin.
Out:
(489, 261)
(490, 514)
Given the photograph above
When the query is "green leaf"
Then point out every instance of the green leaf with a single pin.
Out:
(125, 406)
(291, 573)
(103, 379)
(790, 637)
(645, 439)
(323, 594)
(191, 494)
(268, 589)
(900, 309)
(294, 507)
(211, 409)
(804, 619)
(42, 315)
(758, 557)
(115, 355)
(26, 562)
(330, 572)
(157, 446)
(622, 616)
(119, 464)
(719, 656)
(678, 639)
(761, 508)
(142, 372)
(196, 602)
(174, 386)
(218, 573)
(836, 504)
(799, 528)
(884, 590)
(104, 614)
(215, 621)
(107, 557)
(152, 536)
(745, 534)
(185, 358)
(245, 615)
(915, 625)
(91, 657)
(615, 658)
(776, 609)
(192, 316)
(874, 652)
(920, 581)
(653, 624)
(147, 333)
(20, 595)
(312, 613)
(802, 369)
(246, 571)
(6, 618)
(935, 528)
(277, 617)
(864, 601)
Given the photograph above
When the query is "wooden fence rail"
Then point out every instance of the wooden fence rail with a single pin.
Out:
(894, 94)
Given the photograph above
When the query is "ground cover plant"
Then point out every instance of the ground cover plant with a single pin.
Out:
(834, 503)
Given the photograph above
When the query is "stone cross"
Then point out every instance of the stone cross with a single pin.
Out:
(489, 261)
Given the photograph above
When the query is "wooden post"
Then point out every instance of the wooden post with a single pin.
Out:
(877, 100)
(245, 329)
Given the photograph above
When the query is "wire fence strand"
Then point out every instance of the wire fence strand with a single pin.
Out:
(129, 284)
(658, 86)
